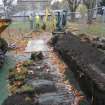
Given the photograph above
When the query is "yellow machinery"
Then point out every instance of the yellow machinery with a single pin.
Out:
(55, 23)
(50, 20)
(4, 24)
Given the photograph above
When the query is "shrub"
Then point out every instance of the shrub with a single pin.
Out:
(27, 63)
(36, 56)
(25, 89)
(3, 45)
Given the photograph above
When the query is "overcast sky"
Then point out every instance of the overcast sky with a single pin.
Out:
(0, 1)
(14, 1)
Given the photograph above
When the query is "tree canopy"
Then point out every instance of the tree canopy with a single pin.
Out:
(102, 3)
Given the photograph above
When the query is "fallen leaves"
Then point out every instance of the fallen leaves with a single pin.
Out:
(58, 62)
(62, 68)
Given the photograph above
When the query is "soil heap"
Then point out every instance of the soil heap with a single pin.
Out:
(87, 63)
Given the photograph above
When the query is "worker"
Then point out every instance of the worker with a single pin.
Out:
(103, 8)
(58, 23)
(64, 18)
(37, 21)
(31, 21)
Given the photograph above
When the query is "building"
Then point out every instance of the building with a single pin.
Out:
(33, 4)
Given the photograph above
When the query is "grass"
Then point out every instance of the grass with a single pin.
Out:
(20, 25)
(15, 31)
(97, 29)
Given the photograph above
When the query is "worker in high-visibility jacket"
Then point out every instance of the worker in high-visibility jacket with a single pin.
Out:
(37, 21)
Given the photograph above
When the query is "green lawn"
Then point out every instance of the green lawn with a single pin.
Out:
(97, 29)
(20, 25)
(93, 29)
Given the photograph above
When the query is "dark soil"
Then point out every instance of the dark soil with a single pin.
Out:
(87, 63)
(3, 50)
(20, 99)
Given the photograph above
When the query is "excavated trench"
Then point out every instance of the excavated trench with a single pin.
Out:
(87, 64)
(48, 84)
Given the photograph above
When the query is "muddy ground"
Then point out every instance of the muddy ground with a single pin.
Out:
(47, 78)
(87, 63)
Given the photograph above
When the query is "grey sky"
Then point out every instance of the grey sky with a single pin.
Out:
(14, 1)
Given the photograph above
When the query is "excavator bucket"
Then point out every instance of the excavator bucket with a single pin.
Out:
(4, 24)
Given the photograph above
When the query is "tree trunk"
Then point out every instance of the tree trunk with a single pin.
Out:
(90, 16)
(73, 16)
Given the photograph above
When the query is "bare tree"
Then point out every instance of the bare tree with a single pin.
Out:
(56, 6)
(73, 4)
(102, 2)
(8, 7)
(90, 4)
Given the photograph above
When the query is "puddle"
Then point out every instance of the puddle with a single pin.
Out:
(9, 62)
(36, 45)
